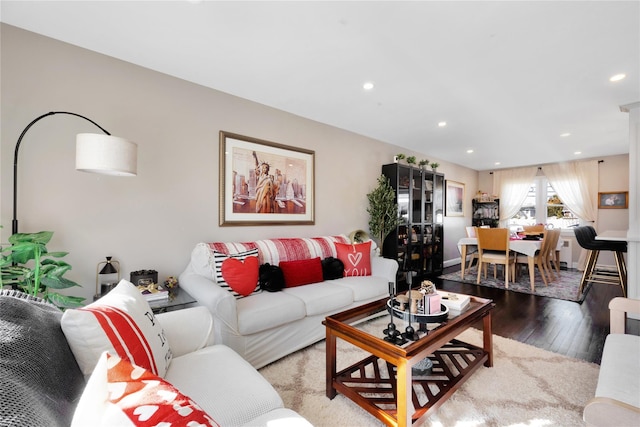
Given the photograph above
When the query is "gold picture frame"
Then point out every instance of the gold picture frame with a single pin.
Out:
(265, 183)
(613, 200)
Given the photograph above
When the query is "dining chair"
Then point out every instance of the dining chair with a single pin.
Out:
(533, 228)
(553, 263)
(493, 248)
(471, 232)
(541, 257)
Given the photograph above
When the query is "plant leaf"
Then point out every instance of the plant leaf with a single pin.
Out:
(64, 301)
(58, 282)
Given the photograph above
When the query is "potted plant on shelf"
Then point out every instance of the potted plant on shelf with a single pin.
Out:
(399, 157)
(423, 163)
(411, 160)
(434, 166)
(30, 267)
(383, 210)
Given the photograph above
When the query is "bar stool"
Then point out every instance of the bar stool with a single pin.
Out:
(586, 237)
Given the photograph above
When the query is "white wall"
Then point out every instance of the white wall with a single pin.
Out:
(152, 221)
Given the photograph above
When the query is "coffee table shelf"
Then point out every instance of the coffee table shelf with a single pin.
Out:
(372, 382)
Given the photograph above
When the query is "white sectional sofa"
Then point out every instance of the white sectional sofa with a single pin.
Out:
(266, 326)
(617, 397)
(43, 371)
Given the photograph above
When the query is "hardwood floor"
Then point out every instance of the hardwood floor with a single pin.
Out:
(564, 327)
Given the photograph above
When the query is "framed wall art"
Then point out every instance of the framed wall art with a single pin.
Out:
(265, 183)
(454, 199)
(613, 200)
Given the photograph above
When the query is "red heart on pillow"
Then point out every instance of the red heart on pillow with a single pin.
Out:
(242, 277)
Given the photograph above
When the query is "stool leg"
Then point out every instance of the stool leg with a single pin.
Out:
(590, 265)
(622, 271)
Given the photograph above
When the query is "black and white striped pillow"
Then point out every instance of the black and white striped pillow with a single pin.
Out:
(219, 258)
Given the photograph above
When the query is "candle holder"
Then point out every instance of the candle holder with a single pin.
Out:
(392, 334)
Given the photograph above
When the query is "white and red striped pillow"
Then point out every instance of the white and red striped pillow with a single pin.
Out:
(122, 323)
(273, 251)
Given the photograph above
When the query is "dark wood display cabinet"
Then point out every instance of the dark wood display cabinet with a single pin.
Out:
(485, 213)
(417, 242)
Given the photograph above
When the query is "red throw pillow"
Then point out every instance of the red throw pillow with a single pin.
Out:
(355, 257)
(301, 272)
(241, 276)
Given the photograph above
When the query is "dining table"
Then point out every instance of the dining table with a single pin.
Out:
(524, 246)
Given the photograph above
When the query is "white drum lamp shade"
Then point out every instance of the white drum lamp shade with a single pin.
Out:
(106, 154)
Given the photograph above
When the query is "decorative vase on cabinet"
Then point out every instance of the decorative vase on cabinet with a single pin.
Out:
(417, 242)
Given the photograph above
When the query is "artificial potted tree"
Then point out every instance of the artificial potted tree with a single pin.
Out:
(383, 210)
(30, 267)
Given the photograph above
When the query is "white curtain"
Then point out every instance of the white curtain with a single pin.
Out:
(512, 186)
(577, 186)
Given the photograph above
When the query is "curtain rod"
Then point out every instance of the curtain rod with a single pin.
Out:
(540, 167)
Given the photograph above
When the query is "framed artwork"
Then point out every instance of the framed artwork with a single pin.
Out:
(613, 200)
(265, 183)
(454, 199)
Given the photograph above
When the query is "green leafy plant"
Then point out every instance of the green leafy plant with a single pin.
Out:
(434, 165)
(383, 210)
(400, 156)
(411, 160)
(29, 266)
(423, 162)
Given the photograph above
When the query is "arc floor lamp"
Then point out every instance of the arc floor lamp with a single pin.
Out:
(103, 154)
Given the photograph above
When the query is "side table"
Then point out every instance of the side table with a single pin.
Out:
(178, 300)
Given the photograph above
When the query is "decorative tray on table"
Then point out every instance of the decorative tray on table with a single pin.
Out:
(418, 317)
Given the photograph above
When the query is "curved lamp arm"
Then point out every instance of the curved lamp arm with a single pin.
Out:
(131, 153)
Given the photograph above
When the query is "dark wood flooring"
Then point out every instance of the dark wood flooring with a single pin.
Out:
(564, 327)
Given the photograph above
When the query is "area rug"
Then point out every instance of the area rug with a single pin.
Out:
(565, 286)
(526, 387)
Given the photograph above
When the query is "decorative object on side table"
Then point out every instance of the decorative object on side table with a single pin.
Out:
(171, 284)
(107, 277)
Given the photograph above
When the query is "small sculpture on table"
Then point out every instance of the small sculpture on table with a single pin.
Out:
(392, 334)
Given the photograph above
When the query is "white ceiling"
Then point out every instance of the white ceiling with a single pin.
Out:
(508, 77)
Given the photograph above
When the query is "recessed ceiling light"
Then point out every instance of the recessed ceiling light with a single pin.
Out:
(497, 163)
(442, 124)
(577, 152)
(469, 151)
(367, 86)
(617, 77)
(566, 134)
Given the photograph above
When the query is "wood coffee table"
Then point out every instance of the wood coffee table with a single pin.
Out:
(383, 383)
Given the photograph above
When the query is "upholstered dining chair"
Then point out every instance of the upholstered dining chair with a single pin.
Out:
(493, 248)
(541, 258)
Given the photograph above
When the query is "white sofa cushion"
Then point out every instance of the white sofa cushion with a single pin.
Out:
(323, 297)
(619, 376)
(365, 287)
(225, 386)
(280, 418)
(268, 310)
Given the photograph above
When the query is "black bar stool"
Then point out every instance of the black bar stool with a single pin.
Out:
(586, 237)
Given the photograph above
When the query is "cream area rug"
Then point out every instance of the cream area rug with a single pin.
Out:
(526, 387)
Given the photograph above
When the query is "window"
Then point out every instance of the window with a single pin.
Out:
(543, 206)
